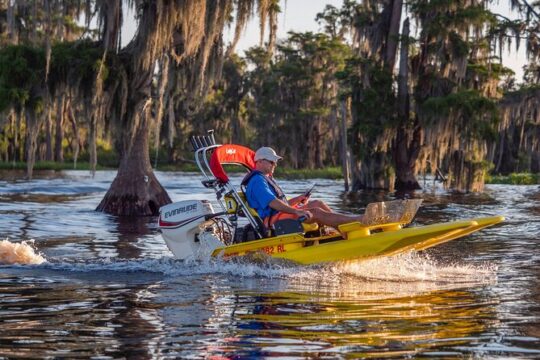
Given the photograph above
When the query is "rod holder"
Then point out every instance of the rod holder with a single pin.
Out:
(205, 141)
(193, 143)
(211, 136)
(199, 142)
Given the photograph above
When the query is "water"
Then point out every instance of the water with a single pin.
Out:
(109, 287)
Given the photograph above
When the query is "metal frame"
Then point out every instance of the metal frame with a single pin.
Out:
(203, 150)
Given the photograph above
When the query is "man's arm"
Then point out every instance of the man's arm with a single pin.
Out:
(299, 199)
(282, 206)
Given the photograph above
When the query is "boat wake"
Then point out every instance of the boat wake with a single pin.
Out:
(399, 276)
(19, 253)
(413, 267)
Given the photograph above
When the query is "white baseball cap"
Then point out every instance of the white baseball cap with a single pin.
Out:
(267, 153)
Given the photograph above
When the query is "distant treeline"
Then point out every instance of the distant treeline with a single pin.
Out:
(368, 93)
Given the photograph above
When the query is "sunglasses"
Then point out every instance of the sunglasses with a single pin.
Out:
(271, 162)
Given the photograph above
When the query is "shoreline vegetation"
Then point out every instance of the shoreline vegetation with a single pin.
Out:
(420, 88)
(334, 173)
(289, 173)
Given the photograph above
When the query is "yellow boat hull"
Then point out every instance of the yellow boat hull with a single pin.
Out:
(360, 242)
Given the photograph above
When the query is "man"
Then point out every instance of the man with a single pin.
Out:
(264, 195)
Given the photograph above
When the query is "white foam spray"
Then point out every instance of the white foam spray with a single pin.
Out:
(410, 267)
(19, 253)
(414, 266)
(402, 275)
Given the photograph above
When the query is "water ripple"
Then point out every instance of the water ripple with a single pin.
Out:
(109, 287)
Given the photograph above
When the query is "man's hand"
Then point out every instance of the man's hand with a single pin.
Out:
(307, 214)
(280, 205)
(300, 199)
(304, 198)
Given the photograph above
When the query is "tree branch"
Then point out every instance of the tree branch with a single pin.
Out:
(529, 7)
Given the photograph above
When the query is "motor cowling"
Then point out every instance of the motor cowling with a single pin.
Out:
(181, 224)
(179, 212)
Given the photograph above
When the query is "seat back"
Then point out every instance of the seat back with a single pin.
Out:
(210, 158)
(232, 206)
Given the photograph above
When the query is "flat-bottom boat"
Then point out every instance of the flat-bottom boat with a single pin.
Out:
(193, 230)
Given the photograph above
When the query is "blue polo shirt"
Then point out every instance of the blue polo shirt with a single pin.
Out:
(259, 195)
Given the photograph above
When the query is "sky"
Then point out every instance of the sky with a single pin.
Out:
(296, 15)
(299, 16)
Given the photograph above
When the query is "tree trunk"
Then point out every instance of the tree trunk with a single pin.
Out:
(502, 148)
(75, 129)
(33, 124)
(92, 142)
(405, 155)
(11, 22)
(406, 150)
(319, 163)
(16, 127)
(49, 156)
(403, 76)
(465, 175)
(171, 131)
(393, 34)
(59, 133)
(135, 191)
(345, 158)
(355, 174)
(236, 126)
(376, 172)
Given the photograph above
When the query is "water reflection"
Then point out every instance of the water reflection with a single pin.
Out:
(361, 318)
(65, 318)
(129, 231)
(110, 289)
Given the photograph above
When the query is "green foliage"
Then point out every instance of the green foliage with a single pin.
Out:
(531, 75)
(290, 99)
(185, 167)
(22, 71)
(39, 106)
(514, 179)
(335, 21)
(51, 165)
(296, 174)
(259, 56)
(440, 16)
(469, 102)
(286, 173)
(479, 113)
(374, 105)
(77, 62)
(106, 156)
(493, 70)
(297, 91)
(460, 47)
(523, 91)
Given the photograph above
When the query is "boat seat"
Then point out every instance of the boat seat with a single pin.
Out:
(233, 208)
(357, 229)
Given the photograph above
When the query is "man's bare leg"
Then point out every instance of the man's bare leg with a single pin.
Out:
(317, 204)
(333, 219)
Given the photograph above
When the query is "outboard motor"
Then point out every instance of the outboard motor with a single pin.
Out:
(188, 228)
